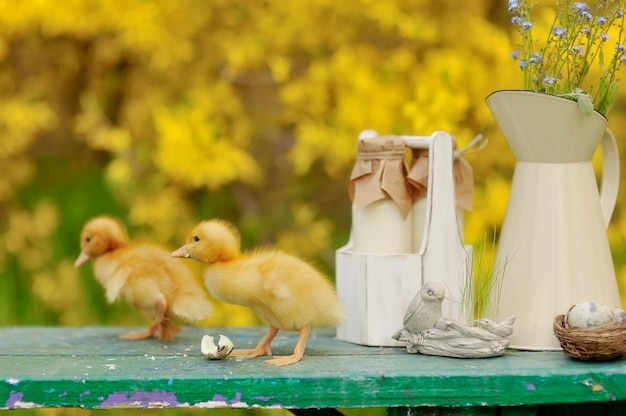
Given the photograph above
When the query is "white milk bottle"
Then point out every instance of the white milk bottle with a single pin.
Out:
(381, 222)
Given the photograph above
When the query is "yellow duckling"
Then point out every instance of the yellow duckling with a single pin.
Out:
(144, 276)
(286, 292)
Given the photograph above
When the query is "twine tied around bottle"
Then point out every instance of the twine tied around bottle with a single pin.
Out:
(380, 173)
(462, 172)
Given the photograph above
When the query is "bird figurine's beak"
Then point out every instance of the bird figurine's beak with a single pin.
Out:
(181, 252)
(82, 259)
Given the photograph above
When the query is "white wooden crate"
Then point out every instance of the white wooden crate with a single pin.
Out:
(375, 289)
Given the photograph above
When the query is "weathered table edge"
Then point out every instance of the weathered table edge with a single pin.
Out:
(184, 385)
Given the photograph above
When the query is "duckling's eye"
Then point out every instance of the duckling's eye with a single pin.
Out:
(196, 238)
(430, 292)
(87, 239)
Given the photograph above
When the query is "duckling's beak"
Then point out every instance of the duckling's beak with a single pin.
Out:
(82, 259)
(181, 252)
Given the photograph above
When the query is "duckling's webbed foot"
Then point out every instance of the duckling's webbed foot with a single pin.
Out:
(163, 326)
(298, 352)
(137, 335)
(250, 353)
(262, 348)
(167, 329)
(147, 333)
(284, 360)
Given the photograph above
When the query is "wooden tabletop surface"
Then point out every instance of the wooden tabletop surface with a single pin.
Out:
(90, 367)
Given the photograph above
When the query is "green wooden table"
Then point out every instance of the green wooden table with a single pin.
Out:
(91, 368)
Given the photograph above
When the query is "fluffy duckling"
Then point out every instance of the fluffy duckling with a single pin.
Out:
(144, 276)
(286, 292)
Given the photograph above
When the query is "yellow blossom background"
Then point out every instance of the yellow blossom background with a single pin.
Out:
(167, 112)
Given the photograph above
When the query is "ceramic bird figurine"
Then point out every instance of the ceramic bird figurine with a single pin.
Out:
(423, 311)
(286, 292)
(144, 276)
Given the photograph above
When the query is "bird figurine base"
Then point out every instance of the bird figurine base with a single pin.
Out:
(481, 339)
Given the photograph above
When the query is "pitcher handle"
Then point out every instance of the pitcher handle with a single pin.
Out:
(610, 175)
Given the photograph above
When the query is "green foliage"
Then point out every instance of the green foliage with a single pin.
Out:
(480, 294)
(584, 99)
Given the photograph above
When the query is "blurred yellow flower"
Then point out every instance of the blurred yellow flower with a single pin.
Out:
(309, 235)
(14, 171)
(20, 119)
(119, 172)
(193, 150)
(28, 235)
(247, 110)
(110, 139)
(164, 213)
(60, 290)
(490, 202)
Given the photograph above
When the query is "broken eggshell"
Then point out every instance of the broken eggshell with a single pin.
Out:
(214, 351)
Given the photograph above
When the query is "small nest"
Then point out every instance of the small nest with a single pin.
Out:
(605, 342)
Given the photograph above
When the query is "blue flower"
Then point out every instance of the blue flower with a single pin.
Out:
(578, 34)
(524, 24)
(535, 58)
(580, 7)
(549, 81)
(577, 50)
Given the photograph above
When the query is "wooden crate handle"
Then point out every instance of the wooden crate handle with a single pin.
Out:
(443, 253)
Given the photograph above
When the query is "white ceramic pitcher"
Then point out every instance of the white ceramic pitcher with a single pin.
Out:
(553, 248)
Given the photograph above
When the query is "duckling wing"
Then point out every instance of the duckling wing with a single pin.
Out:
(192, 306)
(294, 294)
(114, 285)
(190, 301)
(112, 272)
(161, 276)
(188, 297)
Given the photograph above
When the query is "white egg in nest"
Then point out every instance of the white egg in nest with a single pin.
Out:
(214, 351)
(589, 315)
(619, 316)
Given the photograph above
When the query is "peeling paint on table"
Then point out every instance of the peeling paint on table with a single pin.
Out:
(50, 367)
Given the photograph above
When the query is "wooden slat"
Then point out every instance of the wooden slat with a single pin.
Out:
(444, 257)
(91, 368)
